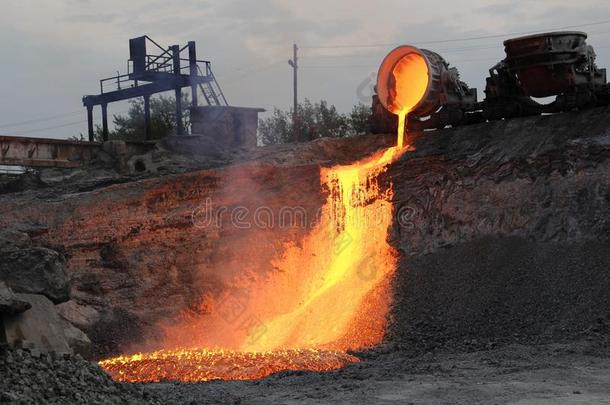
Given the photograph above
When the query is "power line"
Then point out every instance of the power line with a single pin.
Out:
(461, 39)
(245, 73)
(43, 119)
(69, 124)
(377, 55)
(338, 66)
(442, 51)
(370, 56)
(29, 132)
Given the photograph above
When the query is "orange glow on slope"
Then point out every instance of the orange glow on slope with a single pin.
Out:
(328, 294)
(410, 78)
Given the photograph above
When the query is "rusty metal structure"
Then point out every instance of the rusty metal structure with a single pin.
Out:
(555, 64)
(61, 153)
(151, 73)
(39, 152)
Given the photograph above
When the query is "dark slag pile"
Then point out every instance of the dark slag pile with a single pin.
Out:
(31, 377)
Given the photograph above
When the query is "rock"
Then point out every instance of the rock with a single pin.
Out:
(77, 340)
(9, 303)
(40, 327)
(29, 379)
(35, 270)
(54, 176)
(11, 239)
(81, 316)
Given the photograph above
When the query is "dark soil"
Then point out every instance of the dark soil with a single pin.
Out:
(576, 373)
(493, 291)
(31, 377)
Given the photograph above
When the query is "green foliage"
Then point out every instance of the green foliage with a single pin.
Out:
(315, 120)
(130, 127)
(360, 118)
(275, 129)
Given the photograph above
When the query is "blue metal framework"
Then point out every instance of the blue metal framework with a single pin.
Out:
(148, 74)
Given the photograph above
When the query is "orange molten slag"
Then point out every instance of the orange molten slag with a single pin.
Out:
(410, 85)
(327, 295)
(197, 365)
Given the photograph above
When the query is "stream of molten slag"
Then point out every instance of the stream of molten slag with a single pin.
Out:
(327, 295)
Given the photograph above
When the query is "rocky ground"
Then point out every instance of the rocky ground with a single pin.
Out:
(32, 377)
(576, 373)
(501, 294)
(571, 373)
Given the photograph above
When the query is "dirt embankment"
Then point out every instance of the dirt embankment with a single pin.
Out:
(504, 234)
(503, 231)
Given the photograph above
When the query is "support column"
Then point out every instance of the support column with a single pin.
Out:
(147, 128)
(176, 59)
(193, 71)
(105, 121)
(179, 125)
(294, 63)
(90, 123)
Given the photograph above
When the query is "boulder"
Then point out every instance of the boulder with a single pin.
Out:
(77, 340)
(35, 270)
(12, 239)
(38, 328)
(81, 316)
(9, 303)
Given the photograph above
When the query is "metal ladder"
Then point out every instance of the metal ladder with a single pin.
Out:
(211, 90)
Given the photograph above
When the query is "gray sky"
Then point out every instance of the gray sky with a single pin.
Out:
(55, 51)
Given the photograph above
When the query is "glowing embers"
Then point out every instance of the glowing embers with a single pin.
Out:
(196, 365)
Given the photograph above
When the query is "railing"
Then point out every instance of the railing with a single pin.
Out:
(154, 64)
(117, 80)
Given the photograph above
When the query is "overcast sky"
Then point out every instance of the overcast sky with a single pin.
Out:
(55, 51)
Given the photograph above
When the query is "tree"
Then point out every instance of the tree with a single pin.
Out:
(360, 118)
(275, 129)
(315, 120)
(131, 126)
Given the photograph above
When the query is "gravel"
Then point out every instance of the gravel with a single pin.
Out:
(31, 377)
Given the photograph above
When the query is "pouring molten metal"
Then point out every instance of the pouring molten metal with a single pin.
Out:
(327, 295)
(403, 83)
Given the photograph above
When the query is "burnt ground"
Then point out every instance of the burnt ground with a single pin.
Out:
(495, 320)
(502, 294)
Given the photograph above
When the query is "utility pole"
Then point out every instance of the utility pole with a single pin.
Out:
(294, 63)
